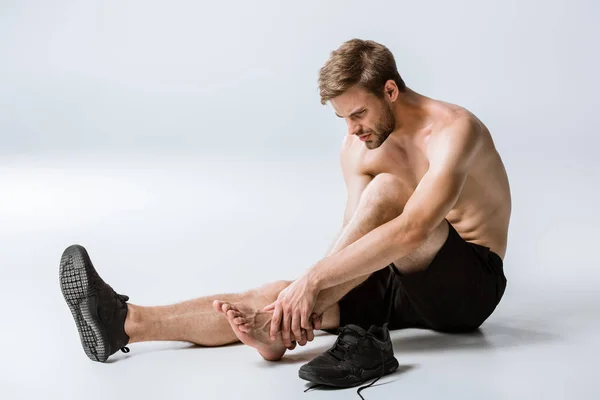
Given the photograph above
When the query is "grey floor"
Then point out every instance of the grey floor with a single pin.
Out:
(165, 230)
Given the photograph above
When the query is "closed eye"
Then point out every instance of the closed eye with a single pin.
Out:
(355, 114)
(358, 114)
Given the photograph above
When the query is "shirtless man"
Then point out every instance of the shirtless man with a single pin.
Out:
(422, 243)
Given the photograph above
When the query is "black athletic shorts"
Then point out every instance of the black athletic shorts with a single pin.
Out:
(457, 292)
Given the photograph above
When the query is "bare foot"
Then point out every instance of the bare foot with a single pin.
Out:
(251, 328)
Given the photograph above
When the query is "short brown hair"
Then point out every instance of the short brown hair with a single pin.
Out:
(363, 62)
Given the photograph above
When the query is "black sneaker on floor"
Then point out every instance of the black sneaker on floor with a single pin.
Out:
(99, 311)
(356, 356)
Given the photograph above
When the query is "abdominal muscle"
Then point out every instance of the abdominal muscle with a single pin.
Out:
(482, 213)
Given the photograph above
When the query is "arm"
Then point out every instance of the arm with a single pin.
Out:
(355, 181)
(451, 153)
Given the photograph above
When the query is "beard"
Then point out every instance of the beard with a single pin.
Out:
(383, 128)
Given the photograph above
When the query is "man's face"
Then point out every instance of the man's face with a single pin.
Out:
(368, 117)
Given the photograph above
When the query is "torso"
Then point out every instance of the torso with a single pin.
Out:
(481, 214)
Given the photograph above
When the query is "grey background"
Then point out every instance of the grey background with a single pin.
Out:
(184, 145)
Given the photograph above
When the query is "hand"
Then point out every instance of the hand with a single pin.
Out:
(307, 334)
(292, 311)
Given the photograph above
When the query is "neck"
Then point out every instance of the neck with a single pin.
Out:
(410, 112)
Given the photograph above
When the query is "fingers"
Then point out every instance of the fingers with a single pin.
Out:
(275, 322)
(306, 326)
(303, 338)
(316, 320)
(296, 330)
(270, 307)
(310, 335)
(286, 330)
(305, 320)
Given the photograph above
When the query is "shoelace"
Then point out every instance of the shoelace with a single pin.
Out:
(360, 389)
(345, 345)
(341, 349)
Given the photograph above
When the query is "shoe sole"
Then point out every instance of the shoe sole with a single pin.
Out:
(75, 270)
(351, 380)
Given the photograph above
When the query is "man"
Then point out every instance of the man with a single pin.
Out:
(422, 244)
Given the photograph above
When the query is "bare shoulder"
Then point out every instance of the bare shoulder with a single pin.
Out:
(458, 121)
(457, 118)
(457, 133)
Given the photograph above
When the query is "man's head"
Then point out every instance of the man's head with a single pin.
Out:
(361, 81)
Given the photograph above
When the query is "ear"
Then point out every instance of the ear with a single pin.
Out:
(390, 90)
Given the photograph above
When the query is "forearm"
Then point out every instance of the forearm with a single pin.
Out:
(332, 295)
(373, 251)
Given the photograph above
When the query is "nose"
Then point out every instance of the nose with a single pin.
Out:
(353, 128)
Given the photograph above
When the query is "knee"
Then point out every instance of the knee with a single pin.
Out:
(386, 192)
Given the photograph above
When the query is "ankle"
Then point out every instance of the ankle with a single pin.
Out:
(133, 323)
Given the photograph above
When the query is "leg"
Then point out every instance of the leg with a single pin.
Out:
(383, 200)
(195, 320)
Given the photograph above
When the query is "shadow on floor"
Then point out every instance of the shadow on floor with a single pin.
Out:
(491, 335)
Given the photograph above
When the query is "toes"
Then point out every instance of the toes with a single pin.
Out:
(227, 306)
(218, 306)
(232, 314)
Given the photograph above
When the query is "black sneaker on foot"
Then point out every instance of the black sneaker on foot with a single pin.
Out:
(99, 311)
(356, 356)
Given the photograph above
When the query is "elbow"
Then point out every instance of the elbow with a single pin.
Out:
(418, 237)
(413, 238)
